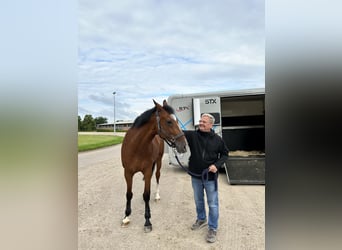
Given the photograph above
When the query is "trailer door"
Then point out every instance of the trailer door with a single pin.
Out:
(211, 105)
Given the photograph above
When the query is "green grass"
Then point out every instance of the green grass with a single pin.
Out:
(89, 142)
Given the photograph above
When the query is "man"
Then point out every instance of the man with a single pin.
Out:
(208, 153)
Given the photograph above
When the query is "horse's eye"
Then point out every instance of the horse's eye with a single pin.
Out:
(169, 122)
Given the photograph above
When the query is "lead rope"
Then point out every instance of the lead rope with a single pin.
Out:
(204, 174)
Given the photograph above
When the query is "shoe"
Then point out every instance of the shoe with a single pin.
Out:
(211, 236)
(198, 224)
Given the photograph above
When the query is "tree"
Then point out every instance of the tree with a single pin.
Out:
(79, 123)
(100, 120)
(88, 123)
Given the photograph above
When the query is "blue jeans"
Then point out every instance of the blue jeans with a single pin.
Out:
(212, 199)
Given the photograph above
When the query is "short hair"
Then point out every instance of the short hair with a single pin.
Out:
(211, 118)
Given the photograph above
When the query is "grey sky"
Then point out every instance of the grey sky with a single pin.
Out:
(152, 49)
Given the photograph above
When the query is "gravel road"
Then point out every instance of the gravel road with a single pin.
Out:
(101, 205)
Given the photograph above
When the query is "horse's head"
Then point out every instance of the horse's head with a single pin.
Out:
(168, 128)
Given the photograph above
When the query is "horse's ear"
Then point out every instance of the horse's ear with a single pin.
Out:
(164, 103)
(156, 103)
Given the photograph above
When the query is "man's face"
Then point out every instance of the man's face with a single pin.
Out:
(204, 124)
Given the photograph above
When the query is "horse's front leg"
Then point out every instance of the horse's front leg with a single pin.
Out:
(148, 224)
(146, 196)
(129, 195)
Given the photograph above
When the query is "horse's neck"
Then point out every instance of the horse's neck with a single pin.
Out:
(144, 134)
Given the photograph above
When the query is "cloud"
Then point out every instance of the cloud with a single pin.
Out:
(153, 49)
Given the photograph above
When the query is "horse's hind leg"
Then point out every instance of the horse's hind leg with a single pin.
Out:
(129, 195)
(159, 163)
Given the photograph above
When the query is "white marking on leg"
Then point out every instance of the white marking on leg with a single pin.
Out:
(125, 221)
(157, 193)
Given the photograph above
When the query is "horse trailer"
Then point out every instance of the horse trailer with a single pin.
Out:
(239, 120)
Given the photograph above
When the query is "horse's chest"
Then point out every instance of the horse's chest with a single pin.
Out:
(150, 153)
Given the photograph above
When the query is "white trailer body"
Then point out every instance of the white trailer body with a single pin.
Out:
(239, 120)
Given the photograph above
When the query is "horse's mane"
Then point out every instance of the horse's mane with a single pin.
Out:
(145, 117)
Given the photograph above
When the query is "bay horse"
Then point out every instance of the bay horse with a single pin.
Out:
(143, 148)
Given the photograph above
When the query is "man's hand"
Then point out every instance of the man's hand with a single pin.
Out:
(212, 168)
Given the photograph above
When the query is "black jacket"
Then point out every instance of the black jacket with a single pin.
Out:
(206, 148)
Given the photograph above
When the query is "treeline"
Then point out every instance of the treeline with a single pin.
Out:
(89, 123)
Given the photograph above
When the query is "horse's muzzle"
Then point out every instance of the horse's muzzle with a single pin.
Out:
(180, 146)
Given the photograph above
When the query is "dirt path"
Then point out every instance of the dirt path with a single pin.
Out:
(101, 205)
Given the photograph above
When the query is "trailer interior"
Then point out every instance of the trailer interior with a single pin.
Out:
(243, 130)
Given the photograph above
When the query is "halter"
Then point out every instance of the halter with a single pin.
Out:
(170, 141)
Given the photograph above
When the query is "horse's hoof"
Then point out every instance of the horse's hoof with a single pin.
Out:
(148, 229)
(125, 222)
